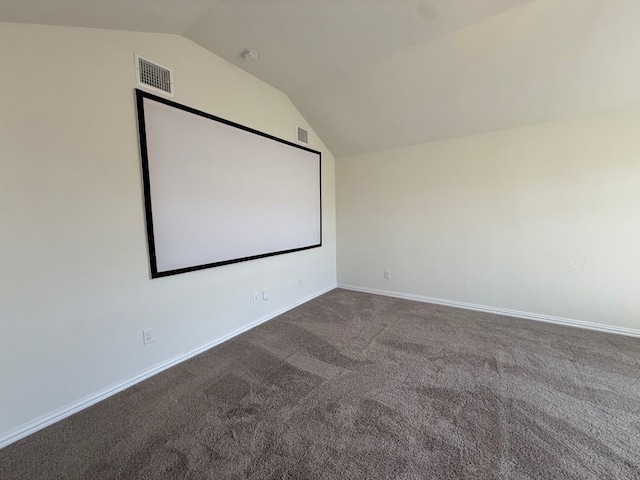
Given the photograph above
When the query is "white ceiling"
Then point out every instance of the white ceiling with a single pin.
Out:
(376, 74)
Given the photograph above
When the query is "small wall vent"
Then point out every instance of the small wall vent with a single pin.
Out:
(154, 76)
(303, 135)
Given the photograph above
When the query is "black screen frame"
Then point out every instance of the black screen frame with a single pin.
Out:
(140, 96)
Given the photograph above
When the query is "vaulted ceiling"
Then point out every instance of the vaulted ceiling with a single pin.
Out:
(376, 74)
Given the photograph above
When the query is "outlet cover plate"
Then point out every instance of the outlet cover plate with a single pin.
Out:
(148, 336)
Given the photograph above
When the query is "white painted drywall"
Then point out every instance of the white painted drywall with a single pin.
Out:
(75, 291)
(543, 219)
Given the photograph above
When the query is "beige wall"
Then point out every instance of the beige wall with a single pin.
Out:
(75, 292)
(543, 219)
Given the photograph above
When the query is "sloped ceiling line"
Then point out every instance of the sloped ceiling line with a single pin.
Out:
(376, 74)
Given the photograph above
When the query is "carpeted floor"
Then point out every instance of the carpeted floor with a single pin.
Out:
(357, 386)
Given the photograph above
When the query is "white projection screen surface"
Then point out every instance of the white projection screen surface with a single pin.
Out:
(218, 193)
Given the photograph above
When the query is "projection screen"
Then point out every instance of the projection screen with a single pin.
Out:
(217, 192)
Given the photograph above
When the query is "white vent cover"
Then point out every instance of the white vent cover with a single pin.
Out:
(303, 135)
(153, 76)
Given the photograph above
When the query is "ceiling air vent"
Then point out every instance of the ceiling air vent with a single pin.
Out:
(303, 135)
(154, 76)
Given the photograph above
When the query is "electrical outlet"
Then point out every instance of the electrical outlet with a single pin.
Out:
(387, 274)
(256, 296)
(265, 294)
(148, 336)
(300, 282)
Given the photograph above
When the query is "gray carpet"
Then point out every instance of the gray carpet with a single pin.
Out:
(357, 386)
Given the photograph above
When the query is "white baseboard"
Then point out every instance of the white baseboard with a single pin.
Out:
(59, 414)
(499, 311)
